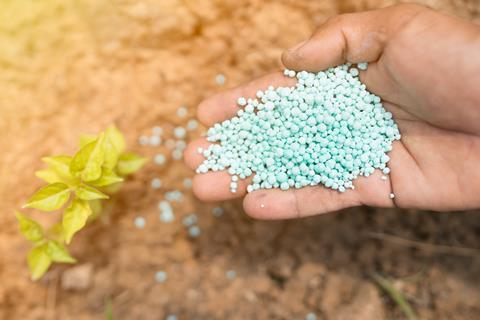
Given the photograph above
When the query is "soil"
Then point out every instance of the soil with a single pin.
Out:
(70, 67)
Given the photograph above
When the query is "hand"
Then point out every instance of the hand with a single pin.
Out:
(426, 68)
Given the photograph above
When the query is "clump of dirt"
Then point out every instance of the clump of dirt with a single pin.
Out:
(74, 67)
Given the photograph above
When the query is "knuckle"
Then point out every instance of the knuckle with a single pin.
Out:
(341, 21)
(409, 6)
(338, 20)
(406, 8)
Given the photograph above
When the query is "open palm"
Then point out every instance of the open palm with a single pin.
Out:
(423, 66)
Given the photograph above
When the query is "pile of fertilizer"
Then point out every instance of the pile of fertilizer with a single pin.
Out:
(326, 130)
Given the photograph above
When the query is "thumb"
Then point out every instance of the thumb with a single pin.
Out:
(356, 37)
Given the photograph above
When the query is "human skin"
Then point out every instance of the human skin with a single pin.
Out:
(426, 68)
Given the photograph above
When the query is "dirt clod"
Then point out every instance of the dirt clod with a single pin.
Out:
(365, 304)
(77, 277)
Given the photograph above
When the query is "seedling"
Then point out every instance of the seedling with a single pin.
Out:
(396, 295)
(76, 184)
(109, 309)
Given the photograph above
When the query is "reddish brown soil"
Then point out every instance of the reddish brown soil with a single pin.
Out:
(73, 68)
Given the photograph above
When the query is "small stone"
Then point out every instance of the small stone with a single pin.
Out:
(365, 303)
(335, 288)
(282, 267)
(250, 296)
(77, 278)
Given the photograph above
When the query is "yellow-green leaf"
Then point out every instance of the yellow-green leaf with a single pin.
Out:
(86, 139)
(60, 165)
(130, 163)
(108, 177)
(49, 198)
(58, 253)
(110, 153)
(87, 163)
(75, 217)
(116, 137)
(38, 261)
(56, 232)
(48, 175)
(30, 228)
(96, 206)
(112, 188)
(88, 193)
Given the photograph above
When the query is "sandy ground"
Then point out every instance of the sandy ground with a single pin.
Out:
(69, 67)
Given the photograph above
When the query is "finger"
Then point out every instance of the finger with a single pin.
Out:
(191, 155)
(356, 37)
(215, 186)
(295, 203)
(224, 105)
(398, 113)
(378, 81)
(211, 186)
(346, 38)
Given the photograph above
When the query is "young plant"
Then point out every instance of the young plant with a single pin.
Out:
(78, 184)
